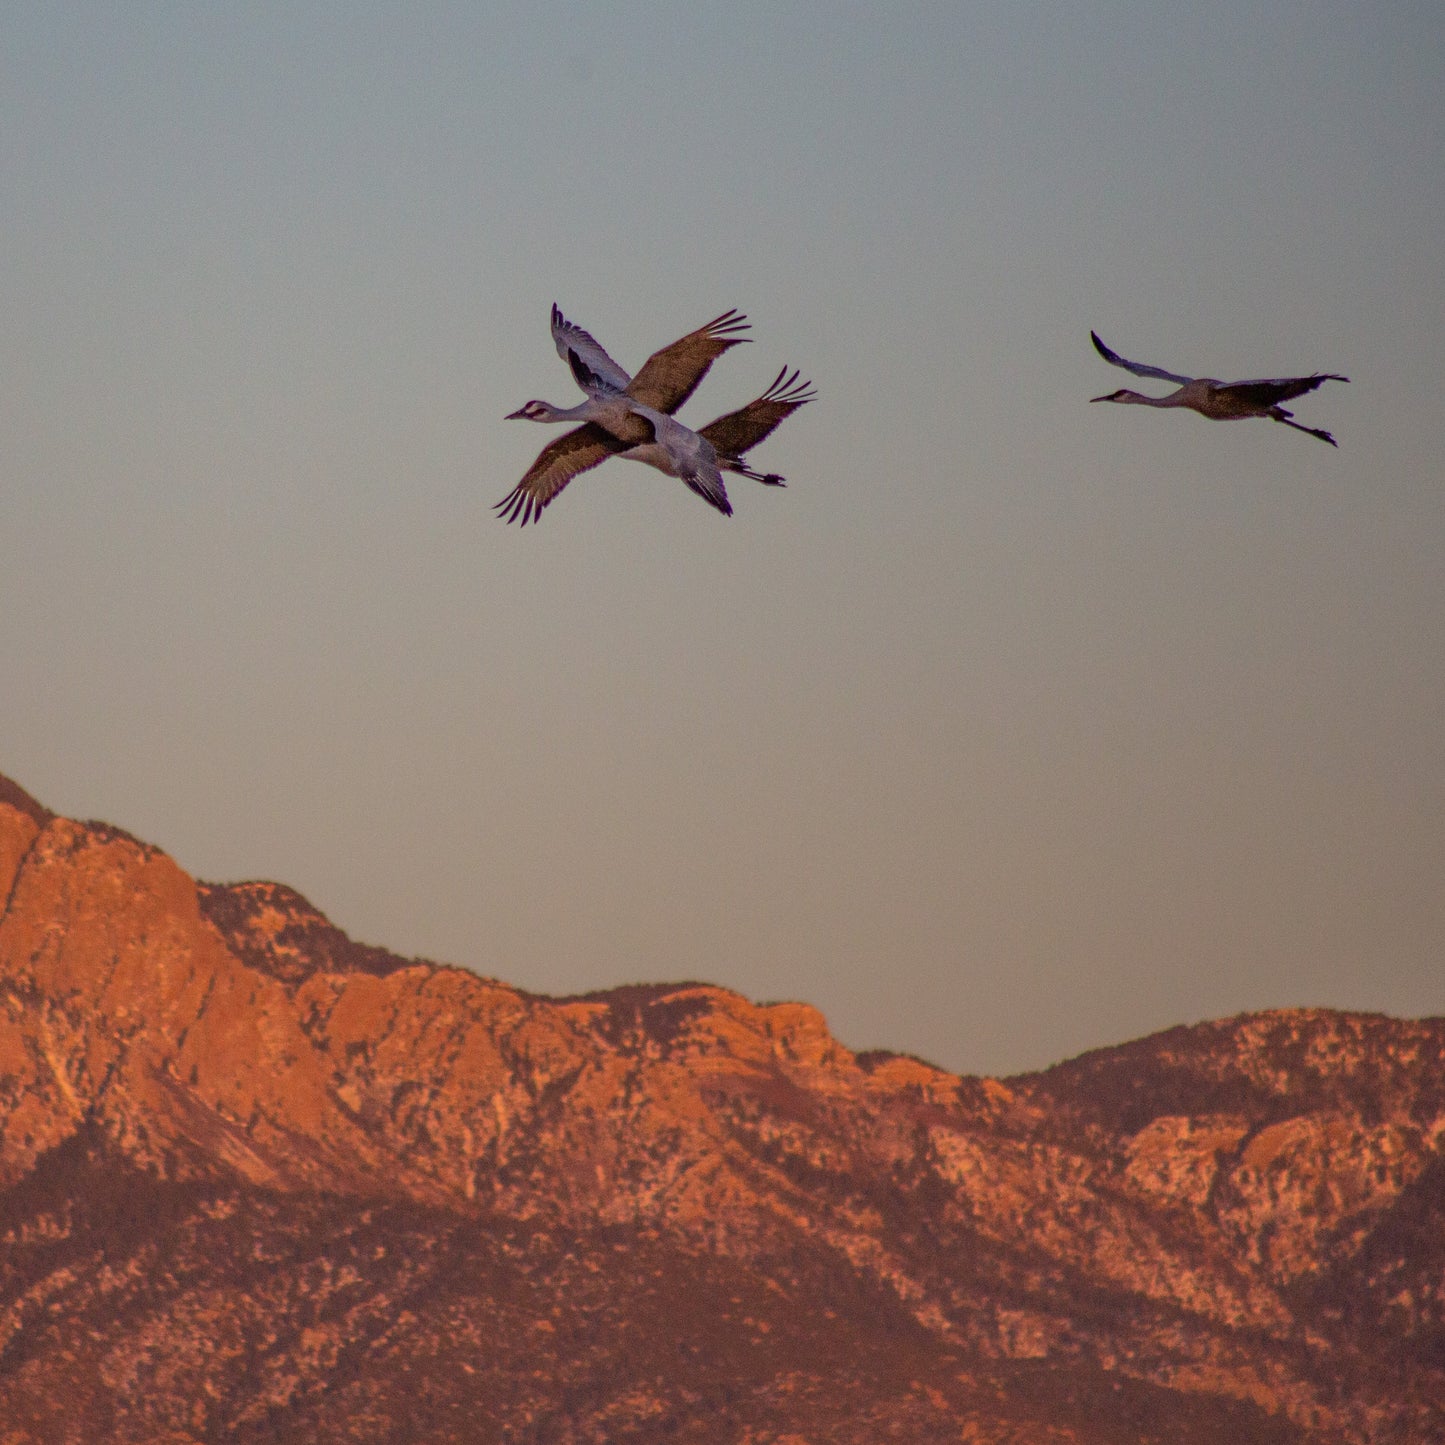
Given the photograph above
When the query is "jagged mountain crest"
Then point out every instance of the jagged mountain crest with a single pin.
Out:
(399, 1197)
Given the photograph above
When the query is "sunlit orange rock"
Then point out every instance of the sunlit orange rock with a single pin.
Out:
(259, 1182)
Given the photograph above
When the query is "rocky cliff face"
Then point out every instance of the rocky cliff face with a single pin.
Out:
(259, 1183)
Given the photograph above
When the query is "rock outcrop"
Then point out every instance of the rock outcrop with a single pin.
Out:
(260, 1183)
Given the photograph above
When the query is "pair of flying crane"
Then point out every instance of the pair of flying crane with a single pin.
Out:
(632, 416)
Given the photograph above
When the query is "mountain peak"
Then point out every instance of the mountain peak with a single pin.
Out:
(275, 930)
(12, 795)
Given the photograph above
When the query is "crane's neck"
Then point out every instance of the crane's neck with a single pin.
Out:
(548, 412)
(1134, 398)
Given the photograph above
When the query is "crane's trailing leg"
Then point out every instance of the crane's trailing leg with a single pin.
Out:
(771, 479)
(1280, 414)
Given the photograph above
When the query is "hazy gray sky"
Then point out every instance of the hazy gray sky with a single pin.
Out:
(1013, 727)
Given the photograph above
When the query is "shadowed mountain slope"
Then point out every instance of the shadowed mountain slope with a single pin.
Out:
(261, 1183)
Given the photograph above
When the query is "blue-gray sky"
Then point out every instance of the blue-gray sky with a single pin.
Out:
(1013, 727)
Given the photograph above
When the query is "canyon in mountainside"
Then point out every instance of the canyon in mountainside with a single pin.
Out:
(261, 1184)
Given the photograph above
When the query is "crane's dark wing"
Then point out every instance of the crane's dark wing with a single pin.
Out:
(568, 336)
(1271, 393)
(558, 462)
(592, 381)
(1138, 368)
(668, 377)
(735, 433)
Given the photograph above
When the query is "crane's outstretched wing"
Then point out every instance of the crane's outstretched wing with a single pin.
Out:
(735, 433)
(1114, 359)
(1271, 393)
(668, 377)
(568, 336)
(557, 463)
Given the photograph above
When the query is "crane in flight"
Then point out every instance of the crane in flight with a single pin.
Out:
(631, 417)
(1220, 400)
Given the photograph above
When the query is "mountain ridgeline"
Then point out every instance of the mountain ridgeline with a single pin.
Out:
(259, 1183)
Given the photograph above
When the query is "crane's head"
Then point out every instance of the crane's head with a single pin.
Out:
(1123, 394)
(532, 411)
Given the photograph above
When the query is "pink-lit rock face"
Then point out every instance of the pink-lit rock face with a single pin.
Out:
(258, 1182)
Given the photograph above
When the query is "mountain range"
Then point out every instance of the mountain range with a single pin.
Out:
(260, 1183)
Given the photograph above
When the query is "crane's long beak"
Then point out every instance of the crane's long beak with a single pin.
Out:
(517, 415)
(1110, 397)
